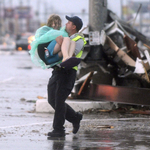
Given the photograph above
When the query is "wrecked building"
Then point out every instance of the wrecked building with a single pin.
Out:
(115, 64)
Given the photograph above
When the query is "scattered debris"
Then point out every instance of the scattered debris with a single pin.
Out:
(105, 126)
(31, 101)
(125, 61)
(142, 112)
(122, 109)
(8, 107)
(22, 99)
(35, 131)
(41, 97)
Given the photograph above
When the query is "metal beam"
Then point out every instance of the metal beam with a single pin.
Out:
(126, 95)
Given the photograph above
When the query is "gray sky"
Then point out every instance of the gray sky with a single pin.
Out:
(61, 7)
(64, 6)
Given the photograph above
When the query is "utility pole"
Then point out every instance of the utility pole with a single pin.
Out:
(97, 14)
(121, 5)
(97, 18)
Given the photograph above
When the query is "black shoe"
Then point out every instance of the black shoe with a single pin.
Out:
(56, 133)
(76, 125)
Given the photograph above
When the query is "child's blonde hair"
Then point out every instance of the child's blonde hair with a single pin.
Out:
(54, 21)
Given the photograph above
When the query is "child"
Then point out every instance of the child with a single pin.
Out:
(53, 43)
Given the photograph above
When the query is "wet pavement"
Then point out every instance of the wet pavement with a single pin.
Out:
(21, 128)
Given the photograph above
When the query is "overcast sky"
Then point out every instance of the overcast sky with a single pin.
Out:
(63, 7)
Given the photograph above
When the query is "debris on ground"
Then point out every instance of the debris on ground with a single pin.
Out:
(122, 109)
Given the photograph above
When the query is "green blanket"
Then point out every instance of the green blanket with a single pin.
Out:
(43, 35)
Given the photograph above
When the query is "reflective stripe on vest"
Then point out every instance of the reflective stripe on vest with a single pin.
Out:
(80, 53)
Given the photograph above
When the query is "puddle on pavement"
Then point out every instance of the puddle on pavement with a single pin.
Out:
(103, 140)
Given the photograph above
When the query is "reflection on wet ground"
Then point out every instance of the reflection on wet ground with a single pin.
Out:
(104, 140)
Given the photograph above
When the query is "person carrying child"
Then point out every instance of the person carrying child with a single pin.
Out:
(62, 81)
(53, 44)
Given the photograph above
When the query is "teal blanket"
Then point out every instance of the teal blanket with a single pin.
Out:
(43, 35)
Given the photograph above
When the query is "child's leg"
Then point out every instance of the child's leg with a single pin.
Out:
(57, 49)
(69, 62)
(54, 48)
(72, 48)
(51, 47)
(65, 48)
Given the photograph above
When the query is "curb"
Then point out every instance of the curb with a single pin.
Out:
(42, 105)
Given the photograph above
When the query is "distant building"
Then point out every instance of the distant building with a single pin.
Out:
(18, 20)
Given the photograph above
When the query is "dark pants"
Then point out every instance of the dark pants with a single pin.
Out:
(59, 87)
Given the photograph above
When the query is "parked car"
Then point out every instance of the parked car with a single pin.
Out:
(24, 43)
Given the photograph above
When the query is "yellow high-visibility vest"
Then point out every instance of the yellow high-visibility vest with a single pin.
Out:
(81, 52)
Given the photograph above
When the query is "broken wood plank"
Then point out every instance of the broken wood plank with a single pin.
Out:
(132, 46)
(104, 126)
(142, 112)
(85, 83)
(147, 46)
(125, 58)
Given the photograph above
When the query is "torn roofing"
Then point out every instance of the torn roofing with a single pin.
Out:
(128, 27)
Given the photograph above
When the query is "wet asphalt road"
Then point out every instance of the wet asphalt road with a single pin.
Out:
(21, 128)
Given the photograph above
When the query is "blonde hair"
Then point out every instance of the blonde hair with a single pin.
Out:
(54, 21)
